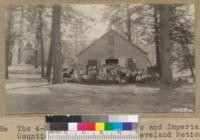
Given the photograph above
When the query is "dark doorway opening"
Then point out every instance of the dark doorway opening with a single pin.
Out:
(112, 61)
(91, 62)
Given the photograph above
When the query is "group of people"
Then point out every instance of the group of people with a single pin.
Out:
(114, 73)
(109, 73)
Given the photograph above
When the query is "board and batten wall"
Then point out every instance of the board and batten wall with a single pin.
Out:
(101, 50)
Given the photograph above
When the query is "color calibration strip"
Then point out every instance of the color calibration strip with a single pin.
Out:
(92, 118)
(87, 127)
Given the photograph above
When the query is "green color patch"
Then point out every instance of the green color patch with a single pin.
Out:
(108, 126)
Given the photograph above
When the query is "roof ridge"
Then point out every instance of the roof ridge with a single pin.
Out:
(111, 30)
(131, 43)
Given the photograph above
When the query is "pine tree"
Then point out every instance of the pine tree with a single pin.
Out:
(39, 35)
(165, 44)
(56, 38)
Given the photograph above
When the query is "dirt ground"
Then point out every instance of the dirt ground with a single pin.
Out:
(27, 93)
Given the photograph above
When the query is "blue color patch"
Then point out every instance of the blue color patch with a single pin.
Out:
(118, 126)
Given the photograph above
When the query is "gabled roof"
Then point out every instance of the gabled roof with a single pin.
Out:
(132, 44)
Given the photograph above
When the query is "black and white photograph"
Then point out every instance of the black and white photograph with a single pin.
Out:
(100, 58)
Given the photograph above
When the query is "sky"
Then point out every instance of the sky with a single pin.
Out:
(94, 11)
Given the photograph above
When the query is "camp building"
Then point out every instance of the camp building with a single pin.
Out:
(112, 48)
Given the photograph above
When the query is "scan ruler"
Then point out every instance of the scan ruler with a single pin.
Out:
(87, 127)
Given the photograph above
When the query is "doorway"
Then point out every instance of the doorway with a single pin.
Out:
(112, 61)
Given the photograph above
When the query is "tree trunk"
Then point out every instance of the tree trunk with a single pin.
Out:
(10, 59)
(192, 73)
(165, 45)
(50, 55)
(19, 55)
(40, 40)
(49, 62)
(21, 39)
(128, 23)
(36, 58)
(8, 41)
(7, 59)
(190, 65)
(57, 57)
(157, 41)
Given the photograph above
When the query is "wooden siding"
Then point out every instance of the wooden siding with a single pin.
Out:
(121, 49)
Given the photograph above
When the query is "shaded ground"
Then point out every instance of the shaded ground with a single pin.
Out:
(27, 93)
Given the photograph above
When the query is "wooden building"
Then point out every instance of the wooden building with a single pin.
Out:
(113, 48)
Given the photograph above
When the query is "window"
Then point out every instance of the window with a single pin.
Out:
(111, 40)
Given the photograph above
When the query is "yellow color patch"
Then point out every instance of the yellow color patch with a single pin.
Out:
(99, 126)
